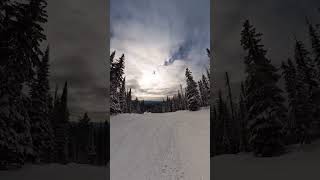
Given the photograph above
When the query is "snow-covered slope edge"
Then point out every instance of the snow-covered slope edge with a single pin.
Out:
(300, 163)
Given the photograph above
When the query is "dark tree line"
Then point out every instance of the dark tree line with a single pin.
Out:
(89, 142)
(261, 122)
(34, 126)
(194, 96)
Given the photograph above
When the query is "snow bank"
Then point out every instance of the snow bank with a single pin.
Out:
(300, 163)
(56, 172)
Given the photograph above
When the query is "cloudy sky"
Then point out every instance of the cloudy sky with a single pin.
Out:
(77, 33)
(279, 21)
(160, 39)
(162, 36)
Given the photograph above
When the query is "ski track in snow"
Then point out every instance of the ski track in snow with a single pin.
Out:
(164, 146)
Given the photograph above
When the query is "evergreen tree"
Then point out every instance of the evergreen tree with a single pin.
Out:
(315, 43)
(192, 92)
(180, 101)
(116, 73)
(129, 101)
(202, 96)
(41, 128)
(243, 112)
(137, 106)
(183, 99)
(64, 104)
(61, 127)
(230, 96)
(208, 70)
(213, 131)
(142, 106)
(290, 77)
(84, 138)
(305, 85)
(122, 96)
(265, 108)
(21, 33)
(222, 127)
(305, 66)
(234, 125)
(163, 106)
(206, 89)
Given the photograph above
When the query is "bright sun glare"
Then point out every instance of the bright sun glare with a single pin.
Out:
(150, 79)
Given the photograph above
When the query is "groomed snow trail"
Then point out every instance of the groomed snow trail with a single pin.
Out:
(160, 146)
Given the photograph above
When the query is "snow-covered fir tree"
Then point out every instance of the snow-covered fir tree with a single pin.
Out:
(41, 128)
(129, 101)
(201, 91)
(263, 96)
(290, 75)
(206, 89)
(305, 66)
(115, 82)
(192, 92)
(61, 126)
(20, 38)
(242, 116)
(314, 36)
(122, 96)
(306, 83)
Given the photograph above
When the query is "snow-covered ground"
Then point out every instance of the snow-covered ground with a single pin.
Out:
(164, 146)
(56, 172)
(300, 163)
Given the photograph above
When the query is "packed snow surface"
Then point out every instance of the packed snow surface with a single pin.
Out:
(160, 146)
(302, 162)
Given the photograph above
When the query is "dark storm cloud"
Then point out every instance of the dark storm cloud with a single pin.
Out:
(279, 21)
(77, 36)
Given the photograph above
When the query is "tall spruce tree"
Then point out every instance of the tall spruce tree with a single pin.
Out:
(192, 92)
(41, 128)
(114, 99)
(206, 88)
(290, 77)
(202, 95)
(116, 77)
(305, 66)
(122, 96)
(265, 102)
(243, 112)
(305, 85)
(234, 124)
(315, 43)
(20, 38)
(61, 127)
(129, 101)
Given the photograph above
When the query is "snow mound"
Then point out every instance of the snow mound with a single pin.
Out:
(302, 162)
